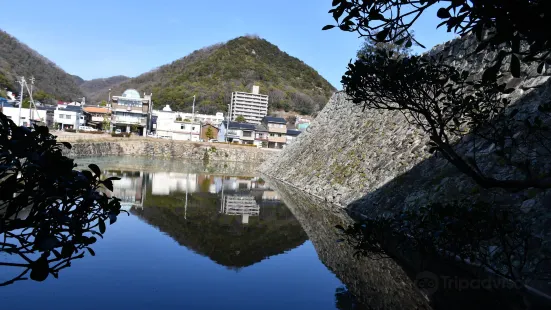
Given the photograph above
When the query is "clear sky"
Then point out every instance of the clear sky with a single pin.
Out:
(102, 38)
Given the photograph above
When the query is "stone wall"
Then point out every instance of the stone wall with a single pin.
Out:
(374, 162)
(170, 149)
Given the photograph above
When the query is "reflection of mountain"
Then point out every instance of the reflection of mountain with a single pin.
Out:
(223, 238)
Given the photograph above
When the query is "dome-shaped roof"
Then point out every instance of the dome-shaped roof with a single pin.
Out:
(131, 93)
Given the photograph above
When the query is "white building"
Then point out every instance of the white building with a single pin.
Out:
(252, 106)
(204, 118)
(69, 117)
(39, 115)
(172, 125)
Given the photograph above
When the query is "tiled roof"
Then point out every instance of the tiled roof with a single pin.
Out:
(260, 128)
(96, 110)
(291, 132)
(277, 120)
(236, 125)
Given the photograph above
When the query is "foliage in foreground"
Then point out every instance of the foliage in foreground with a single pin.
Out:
(50, 213)
(469, 122)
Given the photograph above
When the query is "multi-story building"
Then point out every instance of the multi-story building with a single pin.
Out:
(242, 133)
(170, 124)
(252, 106)
(261, 136)
(98, 116)
(277, 131)
(69, 117)
(130, 110)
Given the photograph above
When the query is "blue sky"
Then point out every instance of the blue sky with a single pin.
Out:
(103, 38)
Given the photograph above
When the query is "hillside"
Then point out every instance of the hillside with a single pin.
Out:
(212, 73)
(92, 88)
(17, 59)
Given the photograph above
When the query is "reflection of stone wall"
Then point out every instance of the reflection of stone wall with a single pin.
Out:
(171, 149)
(377, 284)
(142, 163)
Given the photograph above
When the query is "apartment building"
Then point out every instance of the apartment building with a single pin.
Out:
(98, 115)
(252, 106)
(130, 110)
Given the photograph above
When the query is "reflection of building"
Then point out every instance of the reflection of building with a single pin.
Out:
(163, 183)
(240, 205)
(130, 189)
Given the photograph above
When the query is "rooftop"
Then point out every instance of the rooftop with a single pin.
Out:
(96, 110)
(236, 125)
(292, 132)
(276, 120)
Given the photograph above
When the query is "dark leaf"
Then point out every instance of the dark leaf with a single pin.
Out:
(95, 169)
(409, 43)
(108, 184)
(101, 225)
(67, 250)
(540, 67)
(381, 36)
(40, 269)
(443, 13)
(515, 66)
(328, 27)
(88, 175)
(67, 145)
(91, 251)
(112, 218)
(113, 179)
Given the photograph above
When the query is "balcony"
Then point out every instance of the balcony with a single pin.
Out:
(129, 120)
(277, 139)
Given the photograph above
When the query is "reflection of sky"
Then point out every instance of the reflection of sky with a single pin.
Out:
(137, 267)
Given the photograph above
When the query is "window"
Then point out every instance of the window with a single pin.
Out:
(68, 116)
(247, 134)
(182, 127)
(193, 128)
(61, 116)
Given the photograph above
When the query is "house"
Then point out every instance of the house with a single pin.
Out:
(205, 129)
(261, 136)
(292, 135)
(69, 117)
(98, 116)
(242, 133)
(40, 115)
(130, 110)
(170, 124)
(277, 131)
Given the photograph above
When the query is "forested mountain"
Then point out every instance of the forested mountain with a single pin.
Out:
(212, 73)
(93, 88)
(17, 59)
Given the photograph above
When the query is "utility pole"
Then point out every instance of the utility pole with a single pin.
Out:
(32, 101)
(193, 107)
(22, 82)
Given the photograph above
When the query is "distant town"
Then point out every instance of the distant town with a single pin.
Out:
(132, 113)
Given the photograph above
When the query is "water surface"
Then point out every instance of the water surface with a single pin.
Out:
(197, 237)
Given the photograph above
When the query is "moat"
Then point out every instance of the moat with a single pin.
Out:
(197, 237)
